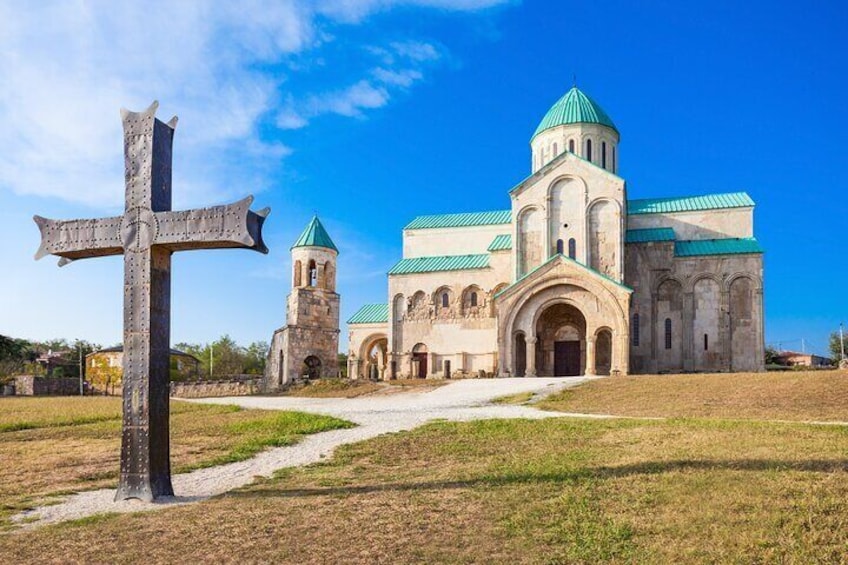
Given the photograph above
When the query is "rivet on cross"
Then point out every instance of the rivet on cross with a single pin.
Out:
(147, 234)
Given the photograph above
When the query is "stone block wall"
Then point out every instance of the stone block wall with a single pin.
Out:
(30, 385)
(205, 389)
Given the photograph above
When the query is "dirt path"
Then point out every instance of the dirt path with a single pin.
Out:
(375, 415)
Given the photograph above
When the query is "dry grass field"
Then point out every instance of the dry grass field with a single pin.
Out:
(55, 445)
(798, 396)
(709, 485)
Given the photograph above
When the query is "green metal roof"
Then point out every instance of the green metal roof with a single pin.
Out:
(689, 203)
(460, 220)
(574, 108)
(733, 246)
(315, 236)
(649, 234)
(370, 314)
(501, 243)
(440, 263)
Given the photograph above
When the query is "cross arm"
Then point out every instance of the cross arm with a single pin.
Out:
(230, 226)
(79, 239)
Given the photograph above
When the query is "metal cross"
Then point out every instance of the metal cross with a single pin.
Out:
(147, 234)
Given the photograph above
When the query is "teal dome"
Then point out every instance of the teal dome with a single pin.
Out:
(574, 108)
(315, 236)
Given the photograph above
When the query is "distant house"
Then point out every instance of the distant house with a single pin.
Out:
(104, 368)
(58, 364)
(796, 359)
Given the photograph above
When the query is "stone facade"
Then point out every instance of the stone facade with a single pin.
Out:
(307, 346)
(573, 279)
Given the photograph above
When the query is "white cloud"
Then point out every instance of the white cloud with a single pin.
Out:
(403, 78)
(67, 67)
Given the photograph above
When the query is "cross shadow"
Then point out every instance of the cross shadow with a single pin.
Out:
(565, 476)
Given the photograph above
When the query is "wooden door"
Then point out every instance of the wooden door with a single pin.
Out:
(566, 358)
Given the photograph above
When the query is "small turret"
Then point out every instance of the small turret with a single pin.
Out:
(314, 258)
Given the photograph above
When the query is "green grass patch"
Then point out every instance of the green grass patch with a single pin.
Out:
(517, 398)
(274, 430)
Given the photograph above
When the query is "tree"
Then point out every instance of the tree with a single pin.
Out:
(256, 356)
(343, 365)
(836, 348)
(772, 356)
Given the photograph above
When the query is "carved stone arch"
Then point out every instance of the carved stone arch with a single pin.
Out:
(444, 302)
(603, 226)
(374, 354)
(604, 295)
(564, 177)
(668, 324)
(746, 331)
(418, 306)
(603, 339)
(758, 282)
(473, 301)
(529, 231)
(662, 280)
(533, 296)
(691, 282)
(493, 309)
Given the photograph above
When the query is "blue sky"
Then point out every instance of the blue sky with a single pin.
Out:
(373, 111)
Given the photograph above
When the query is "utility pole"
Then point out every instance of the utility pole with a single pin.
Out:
(842, 343)
(211, 360)
(81, 367)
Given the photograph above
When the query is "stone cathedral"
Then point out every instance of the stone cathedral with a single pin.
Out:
(573, 278)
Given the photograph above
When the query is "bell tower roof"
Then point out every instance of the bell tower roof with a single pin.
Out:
(315, 236)
(574, 108)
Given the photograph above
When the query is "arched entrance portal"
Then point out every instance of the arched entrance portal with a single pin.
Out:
(561, 349)
(311, 367)
(374, 355)
(419, 361)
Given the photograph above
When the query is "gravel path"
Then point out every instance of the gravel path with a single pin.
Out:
(375, 415)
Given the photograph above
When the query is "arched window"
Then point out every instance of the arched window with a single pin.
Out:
(588, 149)
(668, 333)
(298, 273)
(473, 299)
(613, 158)
(560, 247)
(634, 331)
(556, 150)
(329, 276)
(572, 248)
(445, 300)
(313, 274)
(571, 145)
(604, 154)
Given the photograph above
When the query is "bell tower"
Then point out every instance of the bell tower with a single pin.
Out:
(307, 346)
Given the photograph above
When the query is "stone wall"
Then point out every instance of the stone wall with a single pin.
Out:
(29, 385)
(204, 389)
(695, 313)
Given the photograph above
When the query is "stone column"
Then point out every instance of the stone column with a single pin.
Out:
(590, 355)
(688, 320)
(531, 356)
(724, 337)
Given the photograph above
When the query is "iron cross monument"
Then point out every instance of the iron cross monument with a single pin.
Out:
(147, 234)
